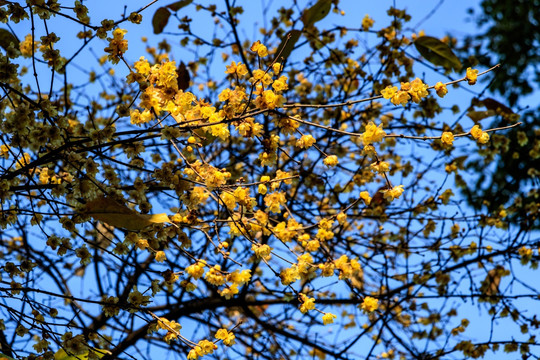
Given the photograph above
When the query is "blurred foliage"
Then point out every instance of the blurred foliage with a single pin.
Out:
(510, 36)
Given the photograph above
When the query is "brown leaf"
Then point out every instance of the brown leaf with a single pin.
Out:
(183, 76)
(118, 215)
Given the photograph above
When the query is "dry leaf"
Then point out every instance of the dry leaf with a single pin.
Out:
(118, 215)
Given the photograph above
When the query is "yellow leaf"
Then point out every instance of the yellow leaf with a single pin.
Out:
(118, 215)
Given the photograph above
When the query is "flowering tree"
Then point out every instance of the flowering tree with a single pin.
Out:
(296, 195)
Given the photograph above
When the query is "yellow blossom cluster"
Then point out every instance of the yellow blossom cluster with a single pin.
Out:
(215, 276)
(27, 50)
(117, 45)
(373, 133)
(328, 318)
(394, 193)
(171, 326)
(441, 89)
(196, 270)
(247, 127)
(235, 279)
(262, 251)
(367, 23)
(269, 157)
(306, 303)
(212, 177)
(481, 136)
(415, 90)
(227, 337)
(239, 196)
(275, 201)
(364, 195)
(236, 69)
(369, 304)
(259, 48)
(202, 348)
(348, 269)
(331, 161)
(286, 231)
(325, 233)
(289, 275)
(137, 299)
(305, 141)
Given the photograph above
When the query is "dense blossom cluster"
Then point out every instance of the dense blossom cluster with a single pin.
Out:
(283, 185)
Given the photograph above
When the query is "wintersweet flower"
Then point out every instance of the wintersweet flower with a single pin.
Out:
(369, 304)
(484, 138)
(476, 132)
(331, 161)
(389, 91)
(259, 48)
(471, 75)
(373, 133)
(441, 89)
(447, 138)
(328, 318)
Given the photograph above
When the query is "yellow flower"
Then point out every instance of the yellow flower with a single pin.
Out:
(274, 201)
(289, 275)
(418, 90)
(367, 22)
(307, 303)
(259, 48)
(484, 138)
(364, 195)
(394, 193)
(280, 84)
(160, 256)
(331, 161)
(305, 141)
(372, 134)
(401, 97)
(117, 45)
(328, 318)
(380, 166)
(471, 76)
(239, 69)
(447, 138)
(4, 151)
(227, 337)
(196, 270)
(142, 66)
(389, 91)
(441, 89)
(261, 251)
(26, 46)
(369, 304)
(476, 132)
(214, 276)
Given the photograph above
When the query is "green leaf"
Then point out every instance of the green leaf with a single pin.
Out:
(160, 19)
(287, 45)
(479, 115)
(437, 52)
(6, 37)
(317, 12)
(179, 4)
